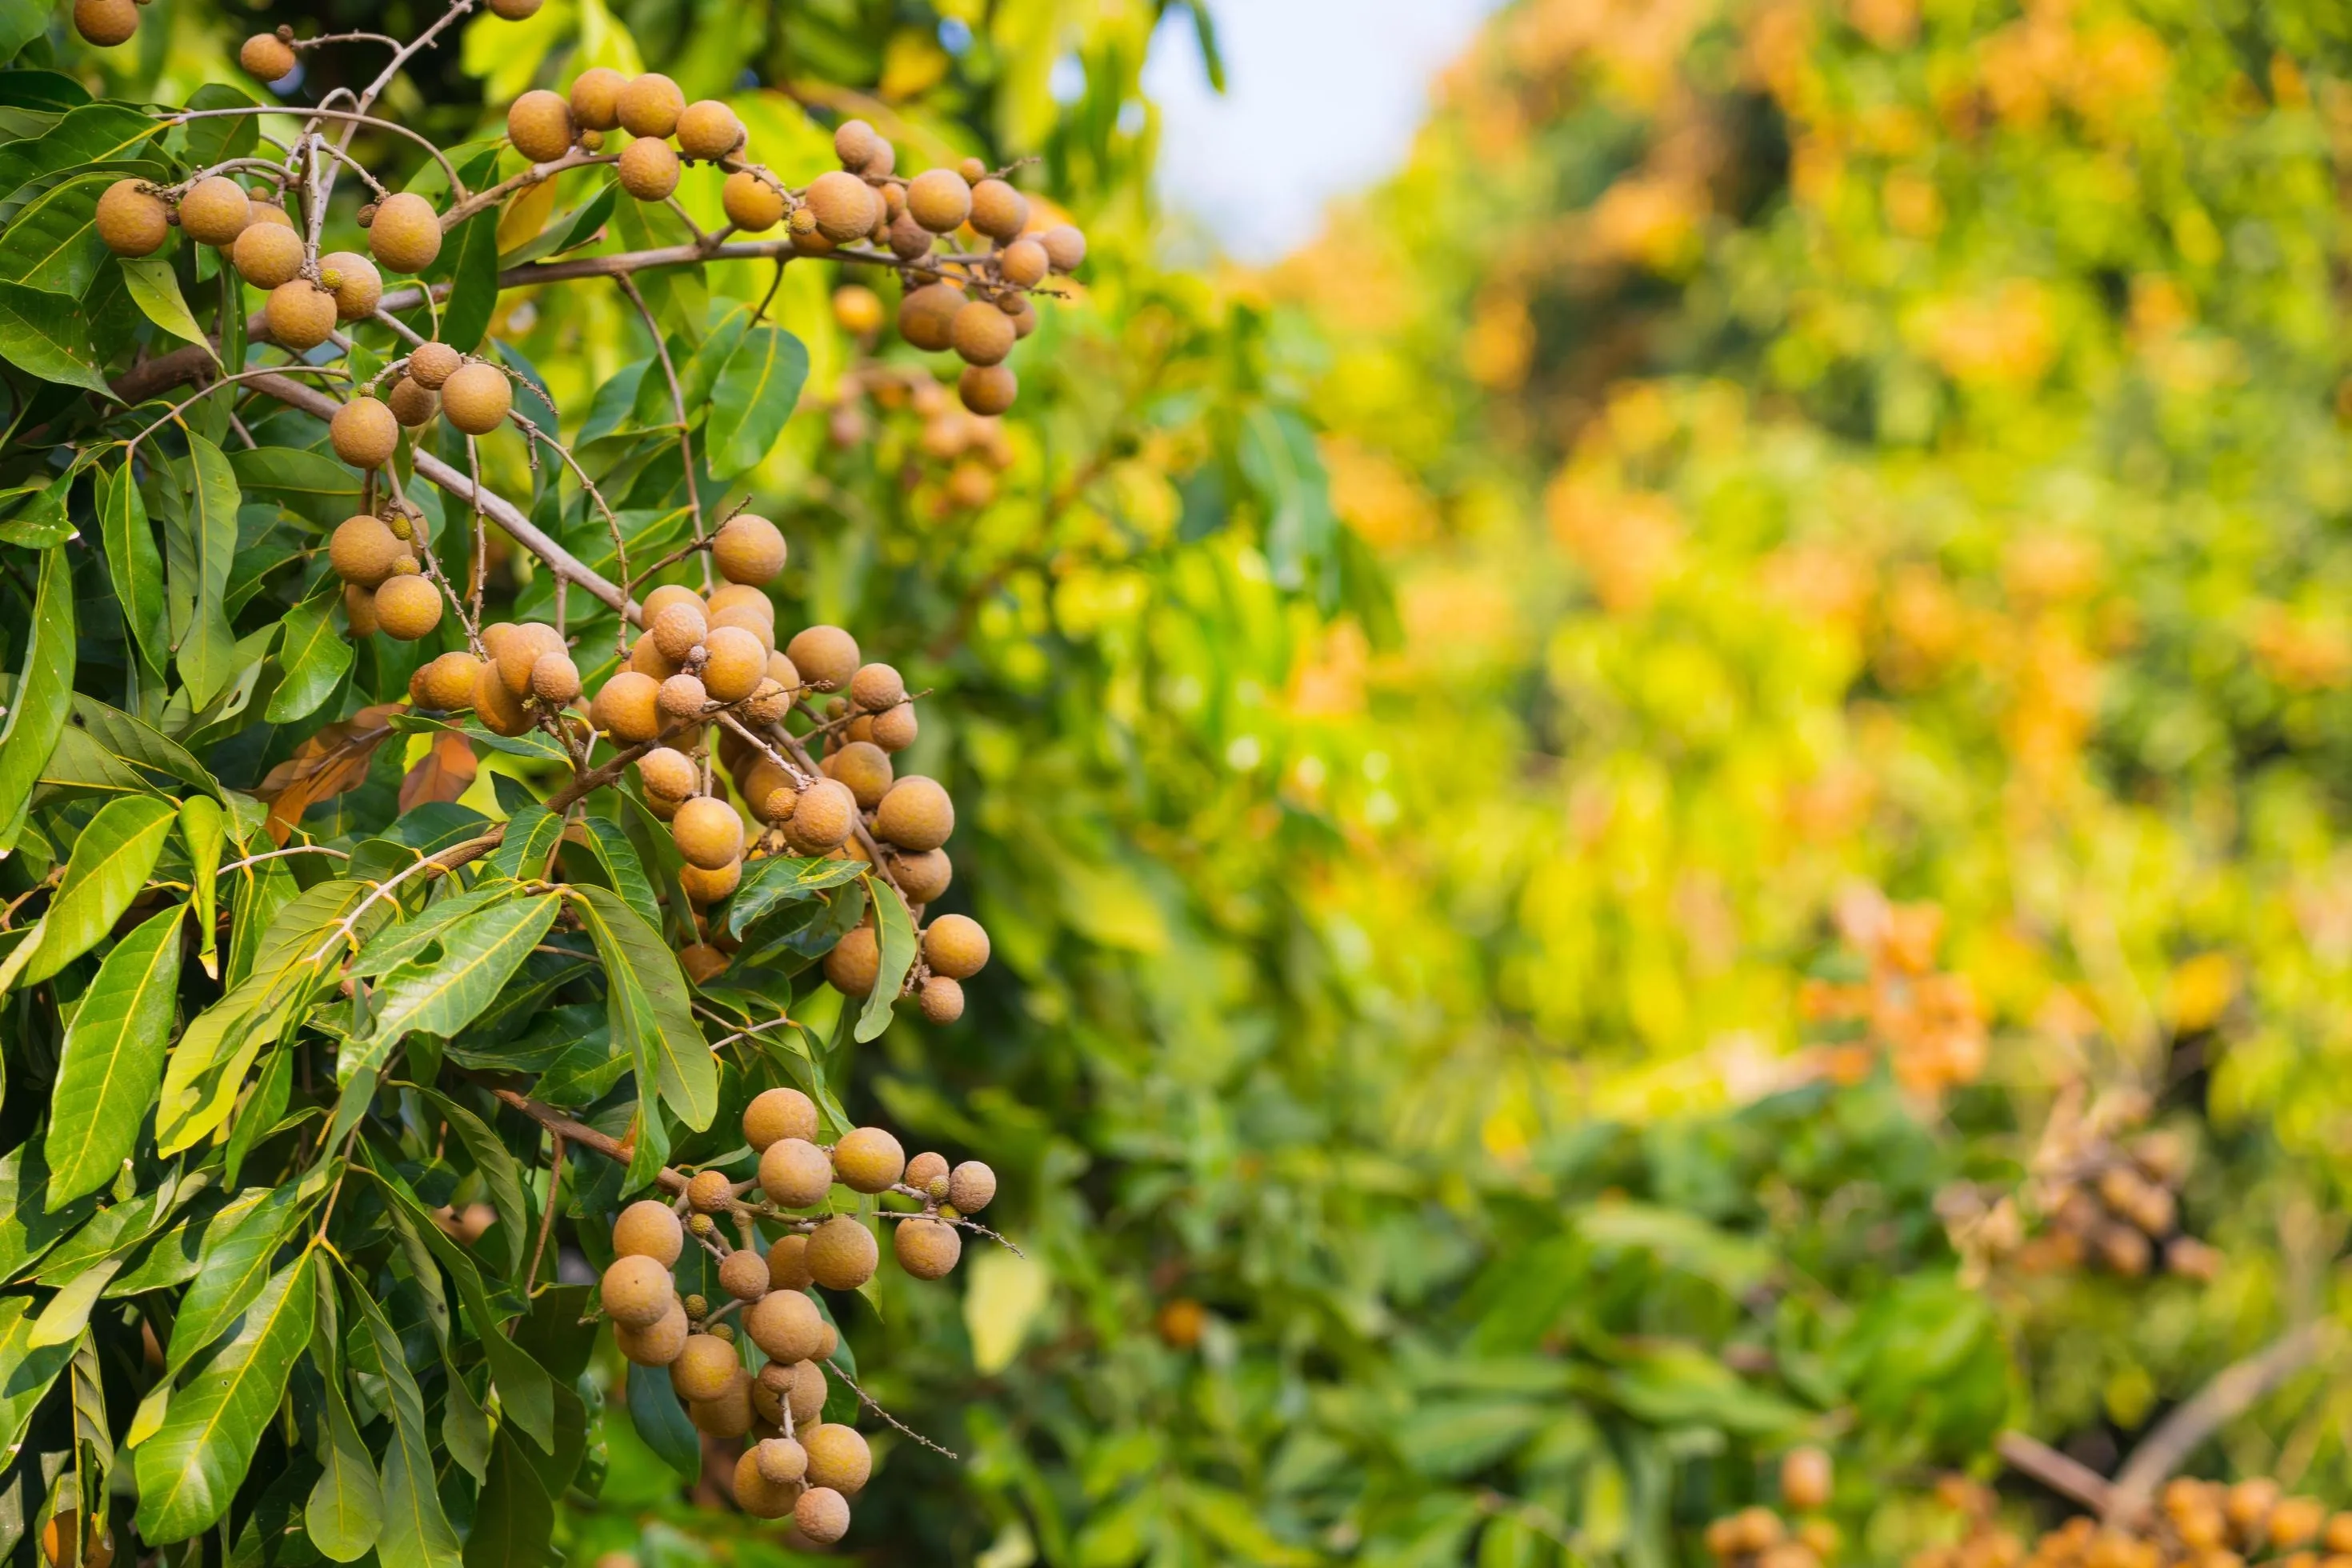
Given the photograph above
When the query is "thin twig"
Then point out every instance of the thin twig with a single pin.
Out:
(2232, 1391)
(833, 1369)
(677, 406)
(547, 1216)
(2067, 1477)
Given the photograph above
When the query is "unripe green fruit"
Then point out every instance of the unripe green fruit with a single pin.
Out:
(822, 1514)
(650, 105)
(755, 1494)
(1023, 263)
(841, 1254)
(939, 199)
(855, 963)
(922, 875)
(500, 710)
(750, 203)
(708, 129)
(407, 608)
(710, 1192)
(826, 657)
(267, 57)
(667, 774)
(844, 206)
(597, 98)
(362, 549)
(445, 683)
(708, 833)
(648, 1229)
(636, 1290)
(627, 707)
(971, 1185)
(407, 233)
(863, 768)
(955, 946)
(927, 316)
(682, 697)
(649, 169)
(476, 398)
(658, 1345)
(940, 999)
(869, 1160)
(795, 1173)
(539, 125)
(980, 333)
(300, 316)
(788, 1263)
(363, 432)
(216, 210)
(916, 814)
(430, 365)
(743, 1274)
(749, 549)
(988, 389)
(926, 1249)
(354, 282)
(838, 1457)
(266, 255)
(780, 1461)
(778, 1113)
(786, 1325)
(134, 222)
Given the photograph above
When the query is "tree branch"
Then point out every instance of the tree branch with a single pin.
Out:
(2067, 1477)
(2231, 1392)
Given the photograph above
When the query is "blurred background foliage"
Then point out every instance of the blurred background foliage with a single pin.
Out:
(1560, 778)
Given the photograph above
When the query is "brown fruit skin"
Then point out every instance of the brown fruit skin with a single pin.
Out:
(916, 814)
(998, 210)
(857, 310)
(864, 769)
(926, 315)
(216, 210)
(980, 333)
(955, 946)
(500, 710)
(266, 255)
(788, 1265)
(658, 1345)
(554, 678)
(131, 221)
(357, 286)
(787, 1324)
(735, 662)
(908, 240)
(988, 389)
(363, 432)
(743, 1274)
(1805, 1480)
(626, 708)
(518, 647)
(780, 1461)
(923, 1168)
(970, 1186)
(267, 57)
(922, 876)
(476, 399)
(822, 1514)
(676, 630)
(855, 963)
(868, 1160)
(410, 403)
(844, 206)
(755, 1494)
(710, 1192)
(645, 659)
(407, 234)
(856, 143)
(300, 315)
(778, 1113)
(682, 697)
(667, 774)
(701, 962)
(769, 702)
(706, 1369)
(649, 169)
(841, 1254)
(539, 125)
(824, 818)
(940, 999)
(838, 1457)
(1023, 263)
(737, 598)
(749, 550)
(794, 1172)
(649, 1229)
(708, 129)
(431, 365)
(650, 105)
(1066, 248)
(896, 730)
(445, 683)
(876, 686)
(364, 550)
(514, 10)
(760, 624)
(708, 833)
(729, 1415)
(940, 200)
(826, 657)
(597, 98)
(705, 888)
(105, 22)
(927, 1248)
(636, 1290)
(750, 203)
(408, 608)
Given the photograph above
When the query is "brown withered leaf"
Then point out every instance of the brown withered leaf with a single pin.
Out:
(441, 773)
(331, 762)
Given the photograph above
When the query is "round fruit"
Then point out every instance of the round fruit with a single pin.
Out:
(939, 199)
(407, 608)
(863, 768)
(363, 432)
(971, 1185)
(869, 1160)
(856, 143)
(940, 999)
(62, 1536)
(677, 630)
(795, 1173)
(838, 1457)
(215, 210)
(923, 1168)
(755, 1494)
(514, 10)
(706, 1369)
(626, 709)
(778, 1113)
(769, 702)
(476, 398)
(743, 1274)
(896, 730)
(780, 1461)
(769, 791)
(788, 1263)
(749, 550)
(701, 962)
(787, 1324)
(539, 125)
(597, 98)
(955, 946)
(1066, 248)
(359, 603)
(734, 662)
(300, 316)
(667, 774)
(922, 876)
(708, 129)
(739, 598)
(270, 213)
(826, 657)
(927, 1248)
(649, 169)
(659, 1345)
(267, 57)
(445, 683)
(1805, 1480)
(554, 678)
(354, 282)
(647, 1229)
(1023, 263)
(876, 686)
(709, 887)
(841, 1254)
(132, 221)
(431, 365)
(410, 403)
(857, 310)
(926, 315)
(708, 833)
(499, 708)
(844, 206)
(650, 105)
(407, 233)
(750, 203)
(760, 623)
(980, 333)
(998, 210)
(645, 659)
(916, 814)
(709, 1191)
(908, 240)
(682, 697)
(636, 1290)
(988, 388)
(518, 647)
(266, 255)
(728, 1415)
(364, 550)
(825, 817)
(822, 1514)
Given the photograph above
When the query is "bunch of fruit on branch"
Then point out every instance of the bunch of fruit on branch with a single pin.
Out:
(954, 461)
(1925, 1022)
(2196, 1524)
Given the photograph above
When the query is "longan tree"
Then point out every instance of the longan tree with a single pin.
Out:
(333, 1071)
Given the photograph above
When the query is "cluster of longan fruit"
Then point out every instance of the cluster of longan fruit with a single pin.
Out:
(1761, 1537)
(972, 449)
(2199, 1524)
(1927, 1022)
(793, 1464)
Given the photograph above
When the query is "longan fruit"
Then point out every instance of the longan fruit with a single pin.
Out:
(988, 389)
(539, 125)
(267, 57)
(431, 365)
(922, 875)
(708, 129)
(855, 962)
(476, 398)
(595, 98)
(734, 663)
(777, 1114)
(730, 1415)
(636, 1290)
(940, 999)
(876, 686)
(980, 333)
(300, 315)
(855, 142)
(648, 1229)
(857, 310)
(868, 1160)
(923, 1168)
(2338, 1536)
(787, 1324)
(645, 659)
(908, 240)
(927, 316)
(822, 819)
(760, 624)
(445, 683)
(750, 203)
(841, 1254)
(916, 814)
(788, 1263)
(1805, 1480)
(649, 169)
(754, 1493)
(132, 221)
(769, 791)
(667, 774)
(971, 1185)
(1023, 263)
(957, 947)
(706, 887)
(844, 205)
(407, 608)
(709, 1191)
(363, 434)
(749, 550)
(267, 210)
(676, 630)
(895, 729)
(743, 1274)
(927, 1248)
(354, 282)
(794, 1172)
(728, 598)
(708, 833)
(838, 1457)
(862, 768)
(658, 1345)
(407, 233)
(998, 210)
(216, 210)
(826, 657)
(780, 1459)
(650, 105)
(769, 702)
(63, 1535)
(938, 200)
(518, 647)
(501, 709)
(105, 22)
(2295, 1521)
(822, 1514)
(364, 550)
(682, 697)
(1023, 315)
(554, 678)
(701, 962)
(265, 255)
(1065, 247)
(514, 10)
(410, 403)
(705, 1369)
(626, 708)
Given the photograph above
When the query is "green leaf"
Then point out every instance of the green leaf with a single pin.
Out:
(781, 879)
(263, 1108)
(753, 396)
(46, 335)
(198, 581)
(40, 518)
(661, 1421)
(109, 867)
(201, 828)
(230, 136)
(345, 1511)
(514, 1520)
(27, 1227)
(898, 941)
(532, 833)
(311, 485)
(647, 998)
(66, 1313)
(30, 1371)
(396, 944)
(415, 1533)
(39, 697)
(113, 1057)
(52, 243)
(609, 842)
(239, 1246)
(473, 283)
(502, 1176)
(441, 996)
(314, 655)
(139, 742)
(91, 133)
(191, 1467)
(155, 289)
(135, 563)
